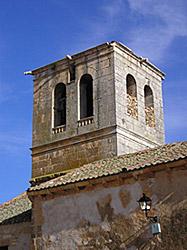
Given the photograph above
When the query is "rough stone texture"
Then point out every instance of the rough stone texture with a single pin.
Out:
(135, 134)
(132, 106)
(79, 145)
(16, 236)
(150, 117)
(109, 218)
(66, 157)
(97, 63)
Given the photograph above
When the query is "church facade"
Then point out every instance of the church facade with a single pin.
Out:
(98, 144)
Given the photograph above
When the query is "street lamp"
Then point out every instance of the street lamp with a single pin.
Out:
(145, 205)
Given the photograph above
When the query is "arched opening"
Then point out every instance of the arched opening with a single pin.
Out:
(148, 94)
(86, 96)
(132, 105)
(60, 105)
(149, 106)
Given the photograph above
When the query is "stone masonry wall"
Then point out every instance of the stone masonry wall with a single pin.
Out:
(112, 107)
(72, 155)
(150, 116)
(100, 66)
(132, 106)
(98, 63)
(16, 236)
(108, 218)
(134, 130)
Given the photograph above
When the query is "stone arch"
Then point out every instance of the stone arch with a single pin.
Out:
(132, 104)
(149, 106)
(60, 105)
(86, 96)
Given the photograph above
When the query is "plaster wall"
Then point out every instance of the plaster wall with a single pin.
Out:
(109, 218)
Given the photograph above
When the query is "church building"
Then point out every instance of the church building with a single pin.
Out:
(97, 147)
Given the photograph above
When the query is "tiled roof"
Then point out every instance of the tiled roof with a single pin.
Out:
(16, 210)
(115, 165)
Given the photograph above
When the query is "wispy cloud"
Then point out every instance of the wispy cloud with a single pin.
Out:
(159, 23)
(169, 21)
(112, 9)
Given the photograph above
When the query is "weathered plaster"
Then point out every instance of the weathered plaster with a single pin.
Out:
(109, 218)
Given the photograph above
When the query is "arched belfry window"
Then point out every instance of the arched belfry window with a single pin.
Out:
(132, 105)
(149, 106)
(60, 105)
(86, 96)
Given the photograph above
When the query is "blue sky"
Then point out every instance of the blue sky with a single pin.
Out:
(35, 33)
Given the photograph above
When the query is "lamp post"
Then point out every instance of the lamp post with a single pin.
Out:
(145, 205)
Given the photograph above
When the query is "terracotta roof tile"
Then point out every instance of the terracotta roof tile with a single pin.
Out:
(16, 210)
(115, 165)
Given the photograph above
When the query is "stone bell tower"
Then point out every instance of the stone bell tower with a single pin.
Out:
(99, 103)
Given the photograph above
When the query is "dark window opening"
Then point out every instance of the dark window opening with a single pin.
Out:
(132, 104)
(131, 86)
(4, 248)
(60, 105)
(149, 107)
(148, 94)
(86, 96)
(72, 72)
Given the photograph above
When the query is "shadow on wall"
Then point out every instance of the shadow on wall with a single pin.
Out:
(134, 233)
(128, 231)
(23, 217)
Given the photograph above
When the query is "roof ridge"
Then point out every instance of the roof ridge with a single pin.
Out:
(7, 203)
